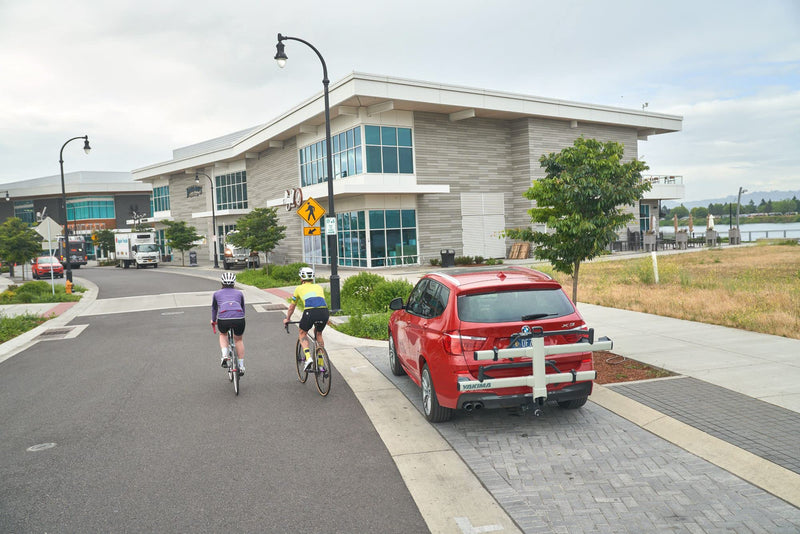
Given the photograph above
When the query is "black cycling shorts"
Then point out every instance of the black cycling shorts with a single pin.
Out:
(316, 316)
(237, 324)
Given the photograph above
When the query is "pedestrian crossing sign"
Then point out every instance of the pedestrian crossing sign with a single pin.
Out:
(310, 211)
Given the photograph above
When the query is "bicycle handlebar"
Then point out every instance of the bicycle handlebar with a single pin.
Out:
(286, 325)
(214, 327)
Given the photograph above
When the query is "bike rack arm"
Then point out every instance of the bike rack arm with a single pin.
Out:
(537, 352)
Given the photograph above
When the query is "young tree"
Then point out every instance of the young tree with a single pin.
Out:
(104, 239)
(258, 231)
(581, 200)
(180, 236)
(18, 243)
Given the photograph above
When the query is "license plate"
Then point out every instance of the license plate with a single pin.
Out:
(521, 343)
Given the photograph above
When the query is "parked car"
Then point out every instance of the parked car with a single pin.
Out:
(41, 266)
(450, 315)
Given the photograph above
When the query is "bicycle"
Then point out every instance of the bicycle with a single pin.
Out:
(234, 373)
(321, 366)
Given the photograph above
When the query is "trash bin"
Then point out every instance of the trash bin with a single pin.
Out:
(448, 257)
(192, 258)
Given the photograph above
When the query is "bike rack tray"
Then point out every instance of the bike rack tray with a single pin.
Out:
(537, 352)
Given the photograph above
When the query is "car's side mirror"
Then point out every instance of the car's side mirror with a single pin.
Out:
(396, 304)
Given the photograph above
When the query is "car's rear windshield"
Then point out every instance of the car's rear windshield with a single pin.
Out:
(512, 306)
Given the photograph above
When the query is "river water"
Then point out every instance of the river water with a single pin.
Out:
(750, 232)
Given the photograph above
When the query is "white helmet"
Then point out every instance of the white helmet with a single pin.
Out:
(306, 273)
(228, 278)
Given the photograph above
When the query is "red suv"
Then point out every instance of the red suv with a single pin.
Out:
(41, 267)
(450, 315)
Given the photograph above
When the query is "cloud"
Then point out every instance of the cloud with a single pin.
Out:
(145, 77)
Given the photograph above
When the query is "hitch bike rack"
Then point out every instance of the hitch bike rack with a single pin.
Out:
(537, 351)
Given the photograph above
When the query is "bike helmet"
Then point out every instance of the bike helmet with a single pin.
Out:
(228, 279)
(306, 273)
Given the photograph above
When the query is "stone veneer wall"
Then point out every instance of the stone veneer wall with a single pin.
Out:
(473, 156)
(275, 171)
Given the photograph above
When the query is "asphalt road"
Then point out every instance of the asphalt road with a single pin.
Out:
(134, 427)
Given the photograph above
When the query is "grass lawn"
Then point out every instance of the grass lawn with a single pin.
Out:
(755, 288)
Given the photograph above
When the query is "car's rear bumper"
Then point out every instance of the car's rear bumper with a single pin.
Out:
(491, 400)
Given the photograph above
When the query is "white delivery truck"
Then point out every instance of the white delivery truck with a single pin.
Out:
(238, 256)
(136, 248)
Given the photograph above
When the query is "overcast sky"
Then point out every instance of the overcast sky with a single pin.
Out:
(142, 78)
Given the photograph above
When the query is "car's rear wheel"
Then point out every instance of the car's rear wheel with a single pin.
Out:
(430, 404)
(394, 361)
(573, 404)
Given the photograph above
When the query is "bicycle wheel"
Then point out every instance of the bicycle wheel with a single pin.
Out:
(300, 362)
(323, 372)
(234, 365)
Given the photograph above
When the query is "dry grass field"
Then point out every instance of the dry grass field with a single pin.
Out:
(754, 288)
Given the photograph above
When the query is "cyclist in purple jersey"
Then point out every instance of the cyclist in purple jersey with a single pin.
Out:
(227, 312)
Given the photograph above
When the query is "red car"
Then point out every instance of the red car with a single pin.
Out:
(42, 266)
(450, 315)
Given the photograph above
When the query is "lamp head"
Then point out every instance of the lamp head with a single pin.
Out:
(280, 56)
(196, 178)
(86, 147)
(7, 197)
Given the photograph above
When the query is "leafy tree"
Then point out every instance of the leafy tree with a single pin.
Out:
(104, 239)
(258, 231)
(784, 206)
(581, 199)
(180, 236)
(699, 212)
(680, 211)
(18, 242)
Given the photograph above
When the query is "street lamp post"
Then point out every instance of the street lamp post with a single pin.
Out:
(213, 215)
(333, 254)
(86, 148)
(739, 203)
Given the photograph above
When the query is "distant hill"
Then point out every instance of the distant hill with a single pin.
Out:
(746, 197)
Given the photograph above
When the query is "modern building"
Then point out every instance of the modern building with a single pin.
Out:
(95, 201)
(418, 167)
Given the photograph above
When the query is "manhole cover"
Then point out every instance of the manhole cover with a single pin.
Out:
(275, 307)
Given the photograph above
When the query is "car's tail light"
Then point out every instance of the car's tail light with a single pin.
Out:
(455, 343)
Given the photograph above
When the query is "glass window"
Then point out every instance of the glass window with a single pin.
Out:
(376, 219)
(511, 306)
(389, 159)
(406, 161)
(404, 136)
(23, 209)
(382, 152)
(388, 136)
(409, 218)
(231, 191)
(372, 135)
(160, 199)
(313, 164)
(374, 159)
(392, 218)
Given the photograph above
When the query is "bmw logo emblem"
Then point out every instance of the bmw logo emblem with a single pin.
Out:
(526, 329)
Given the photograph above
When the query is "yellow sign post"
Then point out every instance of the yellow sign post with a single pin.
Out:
(310, 211)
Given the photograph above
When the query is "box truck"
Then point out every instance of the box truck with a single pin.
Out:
(136, 248)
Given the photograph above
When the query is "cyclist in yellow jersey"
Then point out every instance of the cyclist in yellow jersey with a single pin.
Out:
(315, 311)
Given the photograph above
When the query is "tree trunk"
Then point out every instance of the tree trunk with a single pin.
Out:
(575, 270)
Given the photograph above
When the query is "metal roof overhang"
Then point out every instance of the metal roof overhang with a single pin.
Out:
(366, 90)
